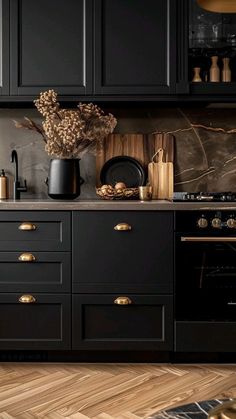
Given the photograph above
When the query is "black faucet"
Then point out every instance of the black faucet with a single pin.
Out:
(17, 189)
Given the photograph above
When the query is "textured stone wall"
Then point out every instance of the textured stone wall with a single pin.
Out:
(205, 160)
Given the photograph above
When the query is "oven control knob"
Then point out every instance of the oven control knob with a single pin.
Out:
(216, 223)
(202, 223)
(231, 223)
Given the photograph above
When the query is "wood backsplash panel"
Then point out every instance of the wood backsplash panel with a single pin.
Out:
(165, 141)
(139, 146)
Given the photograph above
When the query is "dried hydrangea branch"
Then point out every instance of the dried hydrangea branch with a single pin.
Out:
(31, 125)
(213, 129)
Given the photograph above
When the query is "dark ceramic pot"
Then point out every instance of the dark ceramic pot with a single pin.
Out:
(64, 179)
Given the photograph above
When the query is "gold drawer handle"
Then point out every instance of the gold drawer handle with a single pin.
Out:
(27, 299)
(122, 227)
(27, 257)
(123, 301)
(27, 227)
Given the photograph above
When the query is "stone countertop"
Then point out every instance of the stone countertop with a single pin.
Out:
(90, 205)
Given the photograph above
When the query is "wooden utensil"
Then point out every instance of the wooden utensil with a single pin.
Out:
(161, 176)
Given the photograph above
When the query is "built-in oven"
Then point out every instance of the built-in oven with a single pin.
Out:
(205, 260)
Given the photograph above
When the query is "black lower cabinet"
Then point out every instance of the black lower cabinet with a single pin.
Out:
(146, 323)
(205, 336)
(35, 321)
(138, 259)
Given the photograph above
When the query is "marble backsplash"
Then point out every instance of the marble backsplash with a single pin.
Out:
(204, 160)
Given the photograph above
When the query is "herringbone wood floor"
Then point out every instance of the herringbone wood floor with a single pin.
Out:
(106, 391)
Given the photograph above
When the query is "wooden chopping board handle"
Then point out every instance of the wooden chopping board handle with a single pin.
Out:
(160, 155)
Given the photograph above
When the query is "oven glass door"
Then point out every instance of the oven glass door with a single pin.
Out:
(205, 278)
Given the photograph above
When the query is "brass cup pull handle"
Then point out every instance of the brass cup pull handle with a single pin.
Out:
(123, 227)
(26, 257)
(123, 301)
(27, 299)
(27, 227)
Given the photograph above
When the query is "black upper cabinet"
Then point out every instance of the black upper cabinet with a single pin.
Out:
(135, 47)
(114, 49)
(50, 46)
(4, 47)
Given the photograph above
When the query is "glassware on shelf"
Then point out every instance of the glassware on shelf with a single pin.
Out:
(216, 35)
(200, 30)
(231, 39)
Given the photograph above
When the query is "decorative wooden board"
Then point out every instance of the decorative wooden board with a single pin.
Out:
(139, 146)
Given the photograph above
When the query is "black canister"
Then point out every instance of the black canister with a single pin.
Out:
(64, 179)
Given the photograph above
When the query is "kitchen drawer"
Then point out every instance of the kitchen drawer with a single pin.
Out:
(99, 323)
(47, 231)
(106, 260)
(49, 272)
(43, 324)
(201, 336)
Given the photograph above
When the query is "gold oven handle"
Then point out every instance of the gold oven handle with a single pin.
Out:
(26, 257)
(208, 239)
(27, 226)
(123, 227)
(27, 299)
(123, 301)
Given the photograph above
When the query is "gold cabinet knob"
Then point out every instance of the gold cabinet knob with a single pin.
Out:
(231, 223)
(122, 227)
(123, 301)
(216, 222)
(27, 227)
(202, 222)
(27, 299)
(27, 257)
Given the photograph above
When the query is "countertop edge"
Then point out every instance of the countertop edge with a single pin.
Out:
(96, 205)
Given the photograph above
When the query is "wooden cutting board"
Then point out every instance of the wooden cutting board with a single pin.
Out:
(161, 177)
(139, 146)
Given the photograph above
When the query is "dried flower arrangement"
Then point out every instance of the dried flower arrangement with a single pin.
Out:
(69, 133)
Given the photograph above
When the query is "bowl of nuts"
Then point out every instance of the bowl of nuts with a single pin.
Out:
(119, 191)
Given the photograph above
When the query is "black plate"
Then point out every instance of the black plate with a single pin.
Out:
(123, 169)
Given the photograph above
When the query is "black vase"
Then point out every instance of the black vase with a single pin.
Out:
(64, 179)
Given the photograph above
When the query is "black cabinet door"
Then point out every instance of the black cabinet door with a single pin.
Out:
(4, 47)
(144, 324)
(51, 46)
(135, 46)
(42, 324)
(108, 260)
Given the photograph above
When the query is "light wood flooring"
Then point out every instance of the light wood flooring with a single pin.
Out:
(106, 391)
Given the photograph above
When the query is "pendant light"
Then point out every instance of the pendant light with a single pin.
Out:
(218, 6)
